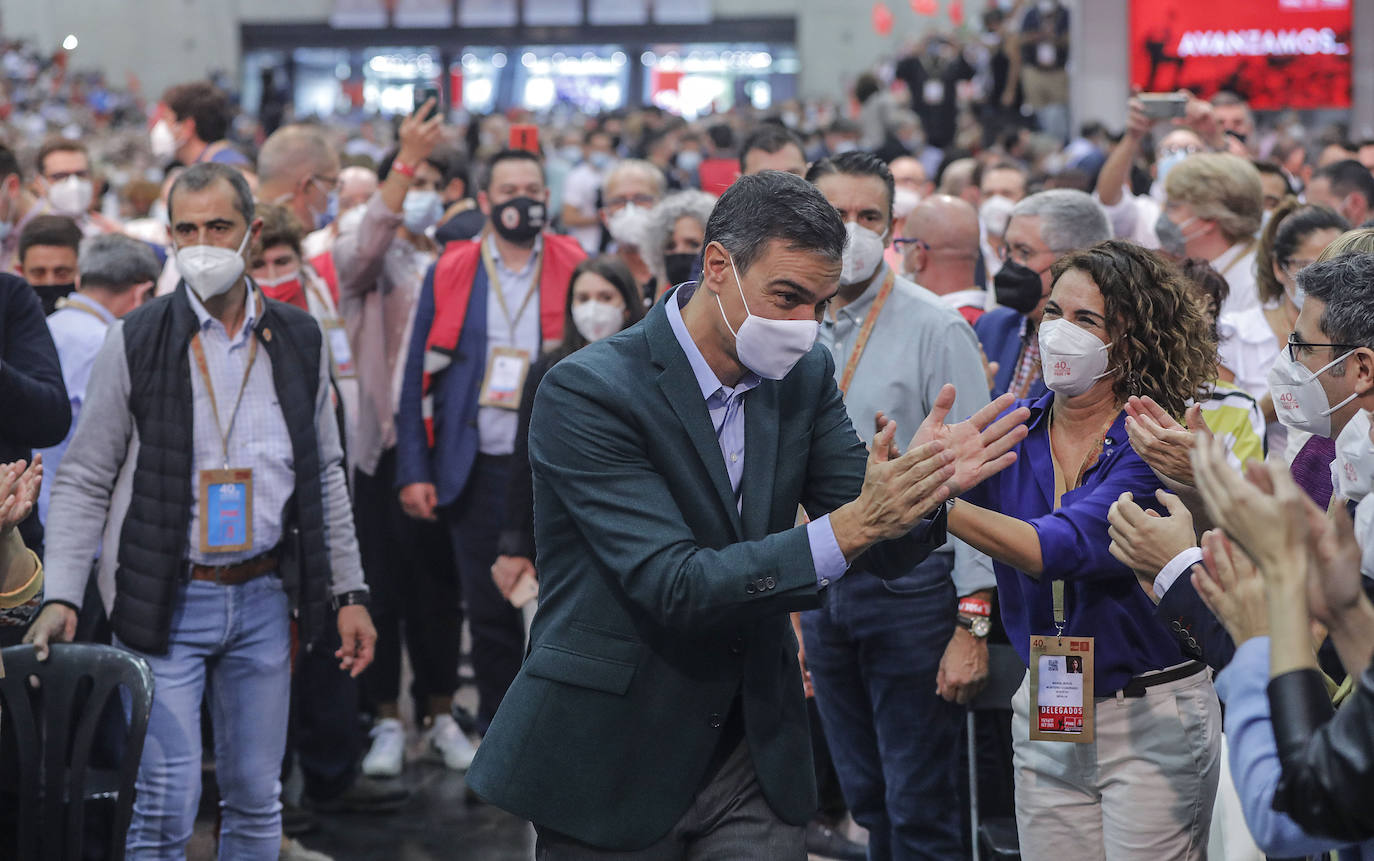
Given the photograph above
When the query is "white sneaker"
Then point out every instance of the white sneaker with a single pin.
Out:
(388, 751)
(292, 850)
(448, 740)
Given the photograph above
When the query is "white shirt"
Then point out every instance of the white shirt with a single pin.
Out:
(579, 191)
(496, 427)
(1237, 265)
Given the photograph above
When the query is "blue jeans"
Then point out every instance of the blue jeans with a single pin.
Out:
(874, 651)
(234, 641)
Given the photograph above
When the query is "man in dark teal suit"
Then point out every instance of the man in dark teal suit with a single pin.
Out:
(659, 712)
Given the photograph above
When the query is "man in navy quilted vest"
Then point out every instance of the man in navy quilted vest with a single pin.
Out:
(208, 457)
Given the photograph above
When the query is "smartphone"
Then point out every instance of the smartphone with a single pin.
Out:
(1164, 106)
(424, 94)
(525, 136)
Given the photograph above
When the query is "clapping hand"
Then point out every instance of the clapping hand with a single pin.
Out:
(981, 445)
(1163, 443)
(19, 484)
(1232, 589)
(1265, 515)
(1145, 542)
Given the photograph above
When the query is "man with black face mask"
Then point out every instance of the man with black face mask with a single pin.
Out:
(1042, 228)
(487, 307)
(48, 248)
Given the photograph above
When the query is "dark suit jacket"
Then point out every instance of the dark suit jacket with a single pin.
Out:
(456, 391)
(999, 331)
(1200, 634)
(660, 602)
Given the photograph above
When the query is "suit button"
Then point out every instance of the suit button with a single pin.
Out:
(1177, 627)
(770, 583)
(749, 588)
(761, 584)
(715, 721)
(737, 647)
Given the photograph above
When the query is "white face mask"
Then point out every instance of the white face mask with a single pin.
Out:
(769, 348)
(628, 225)
(1299, 398)
(1352, 472)
(279, 280)
(210, 270)
(1364, 534)
(862, 254)
(597, 320)
(421, 210)
(162, 141)
(904, 200)
(1296, 295)
(72, 196)
(1072, 358)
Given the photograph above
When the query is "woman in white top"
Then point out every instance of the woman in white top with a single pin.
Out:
(1293, 238)
(1212, 210)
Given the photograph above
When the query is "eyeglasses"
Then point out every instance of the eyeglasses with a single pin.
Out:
(328, 184)
(1019, 253)
(1295, 343)
(899, 242)
(644, 201)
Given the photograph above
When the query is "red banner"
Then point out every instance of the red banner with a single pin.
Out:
(1277, 53)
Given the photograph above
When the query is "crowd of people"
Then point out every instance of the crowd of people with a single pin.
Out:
(630, 405)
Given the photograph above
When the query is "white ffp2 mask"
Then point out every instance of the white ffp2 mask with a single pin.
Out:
(770, 348)
(210, 270)
(862, 254)
(1071, 357)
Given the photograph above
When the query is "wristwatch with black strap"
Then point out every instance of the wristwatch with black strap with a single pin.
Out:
(348, 599)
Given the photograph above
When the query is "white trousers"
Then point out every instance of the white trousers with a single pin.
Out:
(1142, 791)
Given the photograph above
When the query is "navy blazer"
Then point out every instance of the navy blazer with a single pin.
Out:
(456, 390)
(661, 603)
(999, 331)
(1200, 634)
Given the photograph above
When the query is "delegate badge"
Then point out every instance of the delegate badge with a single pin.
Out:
(226, 510)
(505, 379)
(1061, 689)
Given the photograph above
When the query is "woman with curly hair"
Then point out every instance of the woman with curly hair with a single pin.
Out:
(1120, 321)
(676, 231)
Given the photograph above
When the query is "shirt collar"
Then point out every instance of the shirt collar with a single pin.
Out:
(529, 264)
(1232, 254)
(250, 309)
(860, 306)
(1040, 408)
(707, 380)
(87, 302)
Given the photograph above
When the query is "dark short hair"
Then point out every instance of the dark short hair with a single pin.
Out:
(721, 135)
(1291, 223)
(489, 169)
(1347, 176)
(774, 205)
(455, 166)
(199, 177)
(9, 163)
(771, 138)
(57, 231)
(856, 163)
(1264, 166)
(52, 145)
(1346, 285)
(203, 102)
(116, 262)
(614, 270)
(1209, 285)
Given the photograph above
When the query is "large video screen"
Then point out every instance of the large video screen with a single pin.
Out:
(1277, 53)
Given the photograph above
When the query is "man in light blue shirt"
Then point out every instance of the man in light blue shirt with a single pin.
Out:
(885, 656)
(115, 274)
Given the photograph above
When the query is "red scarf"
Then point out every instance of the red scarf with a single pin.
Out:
(453, 277)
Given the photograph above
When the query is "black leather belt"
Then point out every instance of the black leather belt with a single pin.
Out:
(1137, 686)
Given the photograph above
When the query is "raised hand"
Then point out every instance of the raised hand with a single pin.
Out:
(1232, 589)
(1163, 443)
(1333, 581)
(981, 445)
(19, 484)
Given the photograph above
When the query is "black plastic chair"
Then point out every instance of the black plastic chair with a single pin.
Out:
(53, 710)
(995, 836)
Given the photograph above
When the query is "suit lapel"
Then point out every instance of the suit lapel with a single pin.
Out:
(679, 386)
(760, 458)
